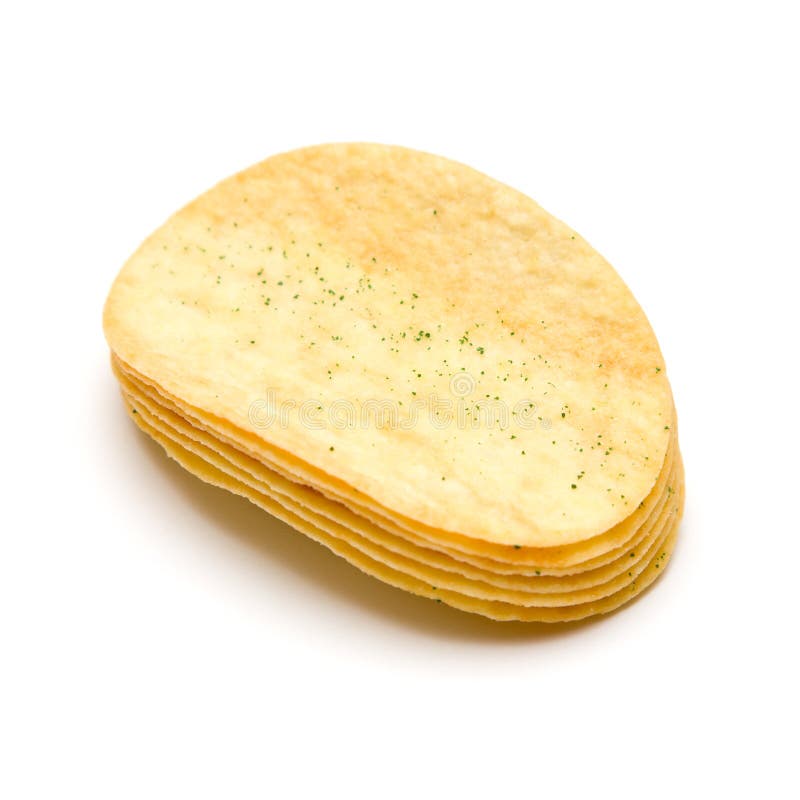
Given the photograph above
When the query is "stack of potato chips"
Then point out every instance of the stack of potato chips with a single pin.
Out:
(417, 367)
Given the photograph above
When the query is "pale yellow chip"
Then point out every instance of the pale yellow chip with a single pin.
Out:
(344, 274)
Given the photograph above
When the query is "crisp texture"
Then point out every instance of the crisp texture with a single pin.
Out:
(350, 273)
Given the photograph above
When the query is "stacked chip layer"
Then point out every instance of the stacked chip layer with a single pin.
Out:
(415, 366)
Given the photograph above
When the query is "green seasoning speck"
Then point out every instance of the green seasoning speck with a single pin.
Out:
(517, 546)
(331, 448)
(573, 486)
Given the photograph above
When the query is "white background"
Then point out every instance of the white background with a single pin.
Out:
(159, 638)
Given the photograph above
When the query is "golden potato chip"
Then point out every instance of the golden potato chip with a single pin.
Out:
(361, 273)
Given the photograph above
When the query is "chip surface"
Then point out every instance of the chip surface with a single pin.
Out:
(329, 300)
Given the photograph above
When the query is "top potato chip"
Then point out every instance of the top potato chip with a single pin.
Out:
(426, 337)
